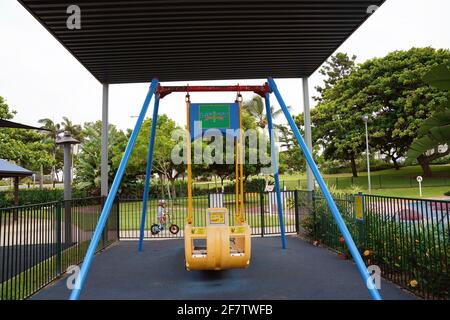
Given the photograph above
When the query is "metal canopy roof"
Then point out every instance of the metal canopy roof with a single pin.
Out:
(8, 170)
(16, 125)
(133, 41)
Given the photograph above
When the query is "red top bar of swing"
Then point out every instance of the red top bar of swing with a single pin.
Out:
(165, 90)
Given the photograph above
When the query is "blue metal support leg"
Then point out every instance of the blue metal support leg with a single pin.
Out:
(148, 171)
(331, 204)
(110, 198)
(273, 154)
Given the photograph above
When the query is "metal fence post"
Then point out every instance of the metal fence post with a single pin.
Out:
(118, 218)
(261, 203)
(360, 223)
(58, 239)
(313, 209)
(296, 212)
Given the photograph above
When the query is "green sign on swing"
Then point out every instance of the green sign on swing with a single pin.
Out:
(214, 116)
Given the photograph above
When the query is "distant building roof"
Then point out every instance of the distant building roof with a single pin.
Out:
(8, 170)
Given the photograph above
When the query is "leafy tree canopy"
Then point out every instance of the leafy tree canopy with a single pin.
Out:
(88, 161)
(391, 90)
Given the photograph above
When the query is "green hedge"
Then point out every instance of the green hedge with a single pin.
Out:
(135, 190)
(35, 196)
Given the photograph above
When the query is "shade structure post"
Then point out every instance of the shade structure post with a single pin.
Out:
(104, 168)
(110, 198)
(273, 154)
(368, 281)
(16, 191)
(148, 171)
(308, 138)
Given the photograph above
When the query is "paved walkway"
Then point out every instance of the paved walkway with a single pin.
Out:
(302, 271)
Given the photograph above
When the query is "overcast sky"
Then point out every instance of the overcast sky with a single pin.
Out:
(40, 78)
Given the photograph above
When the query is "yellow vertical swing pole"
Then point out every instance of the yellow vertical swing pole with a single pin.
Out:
(236, 157)
(241, 159)
(188, 156)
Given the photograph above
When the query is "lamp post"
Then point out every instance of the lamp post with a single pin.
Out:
(365, 119)
(66, 141)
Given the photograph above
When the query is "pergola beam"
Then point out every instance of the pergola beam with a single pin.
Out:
(260, 90)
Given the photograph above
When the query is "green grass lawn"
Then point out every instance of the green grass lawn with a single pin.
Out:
(427, 192)
(130, 213)
(391, 182)
(404, 171)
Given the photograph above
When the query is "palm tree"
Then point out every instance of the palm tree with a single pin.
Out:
(434, 133)
(285, 136)
(76, 132)
(74, 129)
(257, 109)
(50, 139)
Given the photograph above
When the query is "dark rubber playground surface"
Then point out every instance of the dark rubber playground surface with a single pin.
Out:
(302, 271)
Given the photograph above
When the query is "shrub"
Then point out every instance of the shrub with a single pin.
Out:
(34, 196)
(409, 253)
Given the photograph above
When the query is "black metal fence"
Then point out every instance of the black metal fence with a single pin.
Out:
(39, 242)
(409, 239)
(260, 213)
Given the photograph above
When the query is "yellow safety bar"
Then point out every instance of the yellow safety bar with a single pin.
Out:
(236, 157)
(188, 155)
(241, 159)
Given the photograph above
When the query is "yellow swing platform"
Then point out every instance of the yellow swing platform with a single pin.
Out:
(218, 245)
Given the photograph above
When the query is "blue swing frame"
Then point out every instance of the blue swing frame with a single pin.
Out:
(81, 278)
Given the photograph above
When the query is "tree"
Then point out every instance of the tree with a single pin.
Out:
(337, 67)
(337, 132)
(5, 113)
(227, 170)
(164, 144)
(162, 162)
(88, 161)
(334, 136)
(257, 109)
(49, 140)
(23, 147)
(392, 92)
(74, 129)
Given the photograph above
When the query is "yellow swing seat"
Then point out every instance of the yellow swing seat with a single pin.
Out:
(217, 246)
